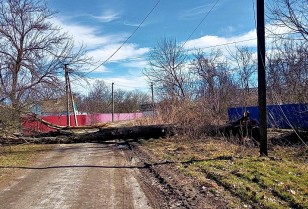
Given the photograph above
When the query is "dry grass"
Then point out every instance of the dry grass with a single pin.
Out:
(19, 155)
(279, 181)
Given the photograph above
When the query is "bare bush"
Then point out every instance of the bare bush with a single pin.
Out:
(185, 114)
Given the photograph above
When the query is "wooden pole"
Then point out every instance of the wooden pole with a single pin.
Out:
(112, 98)
(72, 101)
(152, 92)
(261, 78)
(68, 122)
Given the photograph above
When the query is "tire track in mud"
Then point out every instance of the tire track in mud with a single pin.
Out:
(175, 190)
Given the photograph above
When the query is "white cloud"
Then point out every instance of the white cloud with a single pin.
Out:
(136, 63)
(134, 24)
(97, 68)
(229, 29)
(101, 47)
(273, 29)
(207, 42)
(248, 39)
(88, 35)
(108, 16)
(196, 12)
(128, 51)
(130, 82)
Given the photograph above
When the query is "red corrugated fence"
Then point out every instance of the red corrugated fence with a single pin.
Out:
(31, 126)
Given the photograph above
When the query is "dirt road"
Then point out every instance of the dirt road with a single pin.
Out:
(78, 176)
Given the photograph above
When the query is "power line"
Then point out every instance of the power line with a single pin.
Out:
(213, 46)
(127, 86)
(117, 84)
(225, 44)
(218, 45)
(241, 41)
(133, 33)
(205, 16)
(228, 43)
(254, 13)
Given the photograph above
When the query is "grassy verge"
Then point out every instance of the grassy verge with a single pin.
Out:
(279, 181)
(19, 155)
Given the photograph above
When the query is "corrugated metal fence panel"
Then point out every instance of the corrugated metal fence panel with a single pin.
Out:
(236, 113)
(98, 118)
(31, 126)
(104, 118)
(279, 116)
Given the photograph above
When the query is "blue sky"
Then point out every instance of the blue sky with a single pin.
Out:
(103, 26)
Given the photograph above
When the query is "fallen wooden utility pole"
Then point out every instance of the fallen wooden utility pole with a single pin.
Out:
(102, 135)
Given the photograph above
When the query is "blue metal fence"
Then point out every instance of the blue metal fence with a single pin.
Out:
(278, 116)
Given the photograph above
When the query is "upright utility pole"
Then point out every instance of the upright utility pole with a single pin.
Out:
(112, 98)
(152, 91)
(72, 100)
(68, 122)
(261, 78)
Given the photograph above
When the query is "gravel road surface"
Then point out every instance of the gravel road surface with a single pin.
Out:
(77, 176)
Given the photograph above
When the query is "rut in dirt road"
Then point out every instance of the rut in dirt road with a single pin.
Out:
(77, 176)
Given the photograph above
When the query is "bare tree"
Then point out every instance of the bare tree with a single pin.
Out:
(129, 101)
(288, 73)
(292, 14)
(167, 62)
(133, 101)
(287, 66)
(216, 86)
(206, 67)
(245, 68)
(32, 51)
(98, 99)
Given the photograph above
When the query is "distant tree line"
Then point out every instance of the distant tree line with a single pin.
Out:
(99, 100)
